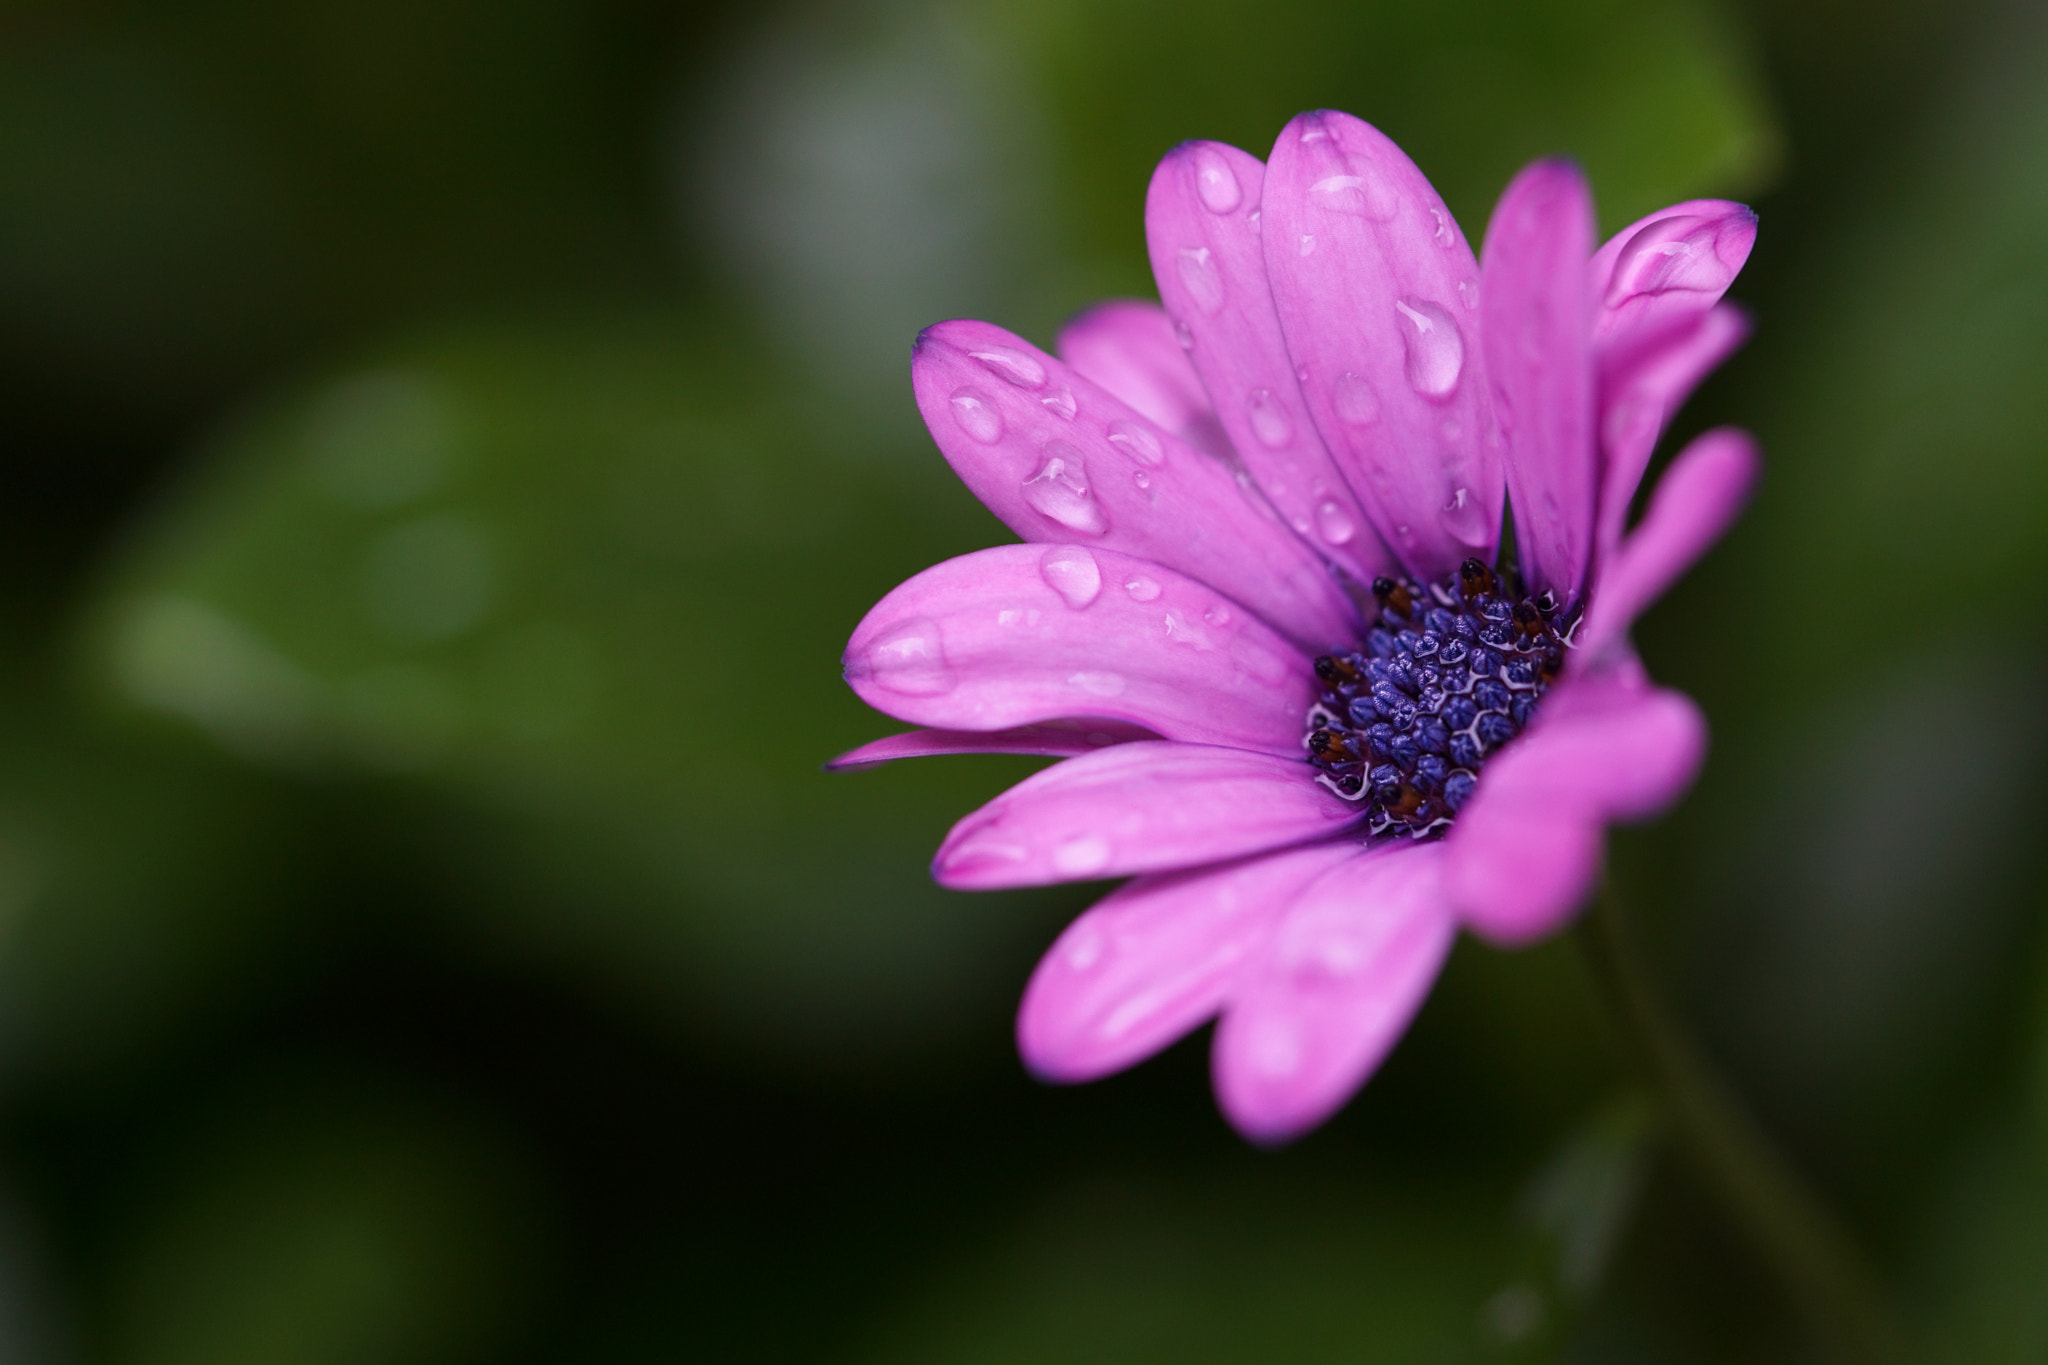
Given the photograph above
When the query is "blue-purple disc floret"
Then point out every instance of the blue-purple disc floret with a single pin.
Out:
(1446, 675)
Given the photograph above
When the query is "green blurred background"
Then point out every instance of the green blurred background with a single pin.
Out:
(446, 445)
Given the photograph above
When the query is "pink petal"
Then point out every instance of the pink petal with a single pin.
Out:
(1211, 270)
(1059, 459)
(1639, 398)
(1054, 739)
(1525, 852)
(1330, 991)
(1145, 807)
(1025, 634)
(1535, 320)
(1378, 298)
(1128, 347)
(1664, 270)
(1153, 960)
(1696, 501)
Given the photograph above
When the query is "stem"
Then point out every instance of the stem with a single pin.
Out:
(1791, 1229)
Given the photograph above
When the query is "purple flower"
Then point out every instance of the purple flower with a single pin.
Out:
(1257, 609)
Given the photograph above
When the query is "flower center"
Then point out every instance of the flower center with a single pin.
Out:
(1446, 676)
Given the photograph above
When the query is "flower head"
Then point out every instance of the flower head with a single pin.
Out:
(1259, 610)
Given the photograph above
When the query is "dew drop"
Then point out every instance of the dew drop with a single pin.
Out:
(1468, 292)
(1199, 276)
(1138, 442)
(1097, 684)
(1082, 856)
(1353, 397)
(1252, 218)
(1020, 369)
(1073, 573)
(972, 411)
(1314, 131)
(1443, 233)
(1671, 253)
(1141, 478)
(1269, 419)
(906, 659)
(1185, 337)
(1363, 196)
(1142, 589)
(1308, 243)
(1436, 348)
(1059, 490)
(1183, 631)
(1333, 523)
(1215, 182)
(1464, 518)
(1062, 402)
(1301, 374)
(1218, 615)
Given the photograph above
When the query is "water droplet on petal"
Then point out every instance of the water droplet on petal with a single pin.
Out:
(972, 411)
(1671, 253)
(1314, 131)
(1082, 856)
(1199, 276)
(1269, 419)
(1215, 182)
(1218, 615)
(1073, 573)
(1062, 402)
(1141, 588)
(906, 659)
(1020, 369)
(1097, 684)
(1059, 490)
(1353, 397)
(1185, 337)
(1138, 442)
(1436, 348)
(1183, 631)
(1252, 218)
(1334, 523)
(1444, 233)
(1301, 374)
(1308, 243)
(1465, 519)
(1141, 478)
(1365, 196)
(1468, 293)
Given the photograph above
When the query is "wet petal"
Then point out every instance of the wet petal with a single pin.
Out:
(1663, 271)
(1525, 852)
(1535, 318)
(1696, 501)
(1059, 459)
(1377, 295)
(1154, 960)
(1330, 990)
(1055, 739)
(1128, 347)
(1638, 400)
(1145, 807)
(1024, 634)
(1211, 269)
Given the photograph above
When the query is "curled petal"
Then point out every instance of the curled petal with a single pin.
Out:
(1154, 960)
(1057, 458)
(1377, 295)
(1145, 807)
(1330, 990)
(1638, 399)
(1211, 270)
(1696, 501)
(1536, 316)
(1064, 738)
(1664, 270)
(1128, 347)
(1025, 634)
(1525, 852)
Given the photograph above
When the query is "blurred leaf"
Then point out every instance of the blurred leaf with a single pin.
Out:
(327, 1223)
(1288, 1264)
(592, 577)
